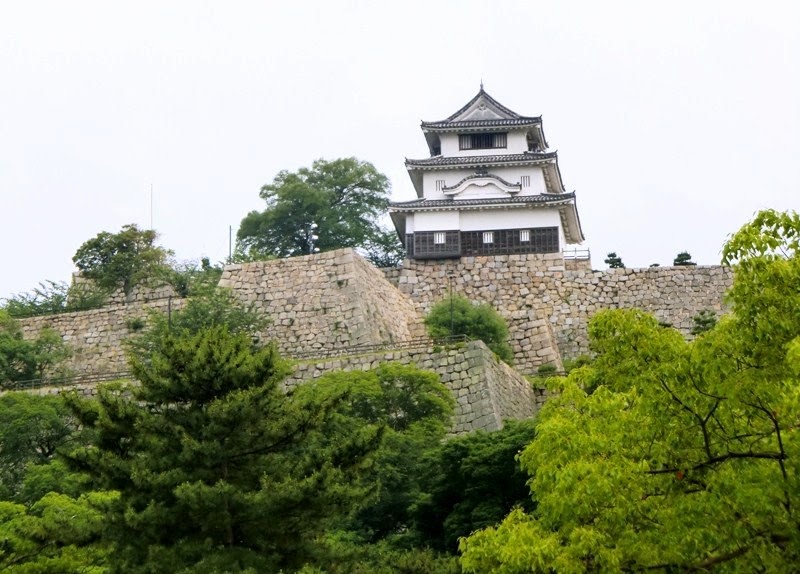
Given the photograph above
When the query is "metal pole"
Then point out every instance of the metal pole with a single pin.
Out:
(169, 313)
(452, 328)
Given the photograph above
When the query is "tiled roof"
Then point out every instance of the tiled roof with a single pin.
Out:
(455, 203)
(497, 123)
(488, 98)
(479, 159)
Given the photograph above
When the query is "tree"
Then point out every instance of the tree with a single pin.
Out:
(686, 455)
(703, 321)
(54, 297)
(613, 261)
(23, 359)
(330, 205)
(457, 315)
(471, 482)
(385, 249)
(122, 260)
(218, 469)
(683, 259)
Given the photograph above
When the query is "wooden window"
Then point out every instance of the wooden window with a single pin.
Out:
(488, 237)
(440, 184)
(524, 235)
(525, 181)
(439, 238)
(482, 141)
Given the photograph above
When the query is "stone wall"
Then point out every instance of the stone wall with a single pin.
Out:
(323, 301)
(548, 306)
(96, 336)
(487, 391)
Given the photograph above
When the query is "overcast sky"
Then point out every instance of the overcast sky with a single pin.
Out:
(674, 121)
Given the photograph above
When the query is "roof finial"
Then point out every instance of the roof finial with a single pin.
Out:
(481, 84)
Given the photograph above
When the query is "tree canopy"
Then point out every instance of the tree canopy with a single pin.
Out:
(330, 205)
(457, 315)
(122, 260)
(686, 455)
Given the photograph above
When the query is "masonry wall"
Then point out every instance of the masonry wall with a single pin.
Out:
(323, 301)
(96, 336)
(487, 391)
(548, 306)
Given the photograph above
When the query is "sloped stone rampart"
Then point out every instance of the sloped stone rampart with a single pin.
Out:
(326, 300)
(96, 336)
(486, 390)
(548, 307)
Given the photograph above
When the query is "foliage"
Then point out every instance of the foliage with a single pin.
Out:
(189, 280)
(385, 249)
(414, 410)
(23, 359)
(613, 261)
(345, 553)
(683, 259)
(576, 363)
(122, 260)
(547, 369)
(212, 308)
(471, 482)
(686, 456)
(56, 534)
(704, 321)
(344, 198)
(218, 469)
(457, 315)
(33, 428)
(55, 297)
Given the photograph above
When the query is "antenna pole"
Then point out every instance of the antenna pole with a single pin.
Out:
(151, 207)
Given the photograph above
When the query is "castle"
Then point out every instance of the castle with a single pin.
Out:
(491, 221)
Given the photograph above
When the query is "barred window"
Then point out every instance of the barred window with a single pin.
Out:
(488, 237)
(439, 238)
(482, 141)
(524, 235)
(439, 184)
(525, 181)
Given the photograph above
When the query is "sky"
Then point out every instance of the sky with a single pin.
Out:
(674, 121)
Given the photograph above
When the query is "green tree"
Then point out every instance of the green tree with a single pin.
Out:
(122, 260)
(413, 409)
(613, 261)
(54, 297)
(385, 249)
(683, 259)
(330, 205)
(26, 359)
(471, 482)
(686, 457)
(33, 429)
(703, 321)
(457, 315)
(218, 469)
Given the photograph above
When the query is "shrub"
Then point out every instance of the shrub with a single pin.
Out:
(55, 297)
(684, 258)
(457, 315)
(614, 261)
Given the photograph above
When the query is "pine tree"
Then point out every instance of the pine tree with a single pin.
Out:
(217, 467)
(613, 261)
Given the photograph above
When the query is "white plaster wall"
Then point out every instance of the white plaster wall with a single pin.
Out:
(510, 219)
(510, 174)
(436, 221)
(410, 222)
(516, 142)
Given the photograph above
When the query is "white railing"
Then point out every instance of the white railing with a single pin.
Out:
(576, 254)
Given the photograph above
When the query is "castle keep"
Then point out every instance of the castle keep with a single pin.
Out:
(490, 221)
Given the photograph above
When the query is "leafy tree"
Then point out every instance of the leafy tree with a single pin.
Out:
(683, 259)
(122, 260)
(33, 428)
(218, 469)
(471, 482)
(56, 534)
(687, 455)
(613, 261)
(414, 410)
(190, 279)
(338, 202)
(457, 315)
(23, 360)
(55, 297)
(385, 250)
